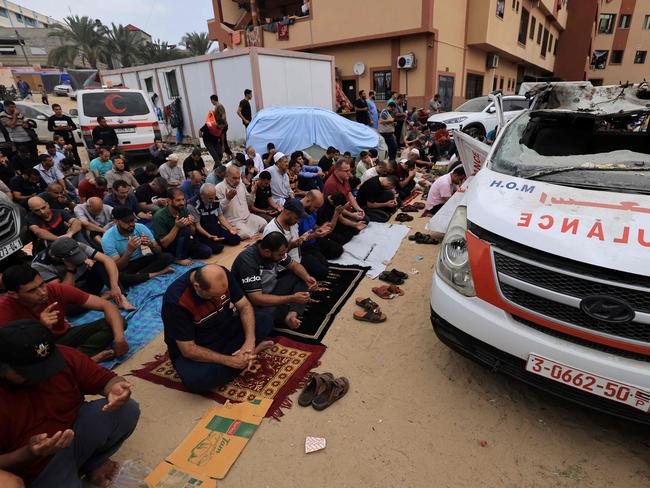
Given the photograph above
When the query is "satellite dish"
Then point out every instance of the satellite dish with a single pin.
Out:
(359, 68)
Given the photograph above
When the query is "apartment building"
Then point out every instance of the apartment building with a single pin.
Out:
(13, 15)
(606, 42)
(460, 49)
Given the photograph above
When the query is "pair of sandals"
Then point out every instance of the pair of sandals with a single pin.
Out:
(403, 217)
(322, 390)
(394, 276)
(370, 313)
(388, 292)
(413, 207)
(421, 238)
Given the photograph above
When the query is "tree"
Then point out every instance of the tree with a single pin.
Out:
(81, 36)
(121, 44)
(197, 43)
(158, 52)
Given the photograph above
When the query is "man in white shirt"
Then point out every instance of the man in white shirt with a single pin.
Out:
(280, 187)
(287, 224)
(171, 171)
(233, 200)
(257, 159)
(382, 168)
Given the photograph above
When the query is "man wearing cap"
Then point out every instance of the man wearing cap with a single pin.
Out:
(287, 224)
(48, 225)
(212, 228)
(280, 185)
(134, 249)
(174, 229)
(95, 218)
(72, 263)
(233, 200)
(273, 282)
(49, 435)
(171, 171)
(208, 343)
(29, 297)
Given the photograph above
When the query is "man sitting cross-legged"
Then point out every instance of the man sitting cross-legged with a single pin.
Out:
(212, 228)
(95, 218)
(134, 249)
(283, 296)
(29, 297)
(233, 200)
(48, 225)
(208, 344)
(51, 436)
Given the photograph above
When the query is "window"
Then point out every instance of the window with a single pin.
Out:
(381, 84)
(533, 21)
(544, 43)
(501, 7)
(555, 46)
(517, 9)
(510, 105)
(617, 57)
(550, 44)
(28, 21)
(523, 26)
(38, 51)
(148, 84)
(172, 84)
(7, 51)
(122, 104)
(474, 87)
(599, 59)
(495, 82)
(501, 83)
(646, 22)
(606, 23)
(514, 3)
(624, 21)
(539, 33)
(639, 57)
(4, 12)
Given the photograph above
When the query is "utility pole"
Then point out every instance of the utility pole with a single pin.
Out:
(255, 13)
(21, 43)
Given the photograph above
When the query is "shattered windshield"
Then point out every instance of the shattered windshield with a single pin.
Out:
(567, 147)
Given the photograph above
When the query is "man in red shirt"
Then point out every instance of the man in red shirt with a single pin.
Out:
(93, 187)
(352, 216)
(29, 297)
(49, 435)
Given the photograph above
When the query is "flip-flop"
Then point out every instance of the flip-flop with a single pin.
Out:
(375, 316)
(427, 239)
(416, 236)
(316, 382)
(382, 292)
(390, 278)
(334, 390)
(408, 208)
(366, 303)
(403, 217)
(419, 205)
(395, 290)
(399, 274)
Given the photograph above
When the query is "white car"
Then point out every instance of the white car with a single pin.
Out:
(478, 115)
(39, 113)
(65, 91)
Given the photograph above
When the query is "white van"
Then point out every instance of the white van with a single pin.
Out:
(129, 112)
(544, 272)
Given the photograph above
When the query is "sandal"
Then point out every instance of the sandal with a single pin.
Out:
(383, 292)
(399, 274)
(336, 388)
(403, 217)
(375, 316)
(391, 278)
(395, 290)
(366, 303)
(427, 239)
(408, 208)
(419, 205)
(416, 236)
(316, 383)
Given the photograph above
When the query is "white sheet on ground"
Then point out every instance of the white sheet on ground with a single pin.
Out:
(374, 246)
(440, 221)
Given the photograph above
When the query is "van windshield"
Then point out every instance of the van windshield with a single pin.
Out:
(600, 151)
(114, 104)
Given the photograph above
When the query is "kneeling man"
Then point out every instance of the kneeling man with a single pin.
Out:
(208, 344)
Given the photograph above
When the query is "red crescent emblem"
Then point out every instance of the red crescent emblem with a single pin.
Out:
(111, 107)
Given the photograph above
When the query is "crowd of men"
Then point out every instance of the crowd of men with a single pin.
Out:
(100, 229)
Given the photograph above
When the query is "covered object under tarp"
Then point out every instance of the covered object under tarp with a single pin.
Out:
(309, 128)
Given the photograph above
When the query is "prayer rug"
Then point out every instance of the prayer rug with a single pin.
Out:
(332, 294)
(277, 373)
(415, 195)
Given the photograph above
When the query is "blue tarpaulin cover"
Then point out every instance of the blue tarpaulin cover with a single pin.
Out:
(298, 128)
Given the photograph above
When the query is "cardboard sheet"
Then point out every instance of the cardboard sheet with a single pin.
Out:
(169, 476)
(214, 444)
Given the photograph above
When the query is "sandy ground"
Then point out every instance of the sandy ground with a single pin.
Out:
(416, 415)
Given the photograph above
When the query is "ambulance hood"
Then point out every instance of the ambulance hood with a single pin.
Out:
(601, 228)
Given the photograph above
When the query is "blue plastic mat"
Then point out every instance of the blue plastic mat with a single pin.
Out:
(144, 323)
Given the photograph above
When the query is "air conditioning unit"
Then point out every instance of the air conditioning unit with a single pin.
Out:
(406, 61)
(492, 61)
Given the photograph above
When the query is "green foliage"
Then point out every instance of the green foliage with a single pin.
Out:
(197, 43)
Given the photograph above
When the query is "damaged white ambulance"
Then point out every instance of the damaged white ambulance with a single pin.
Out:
(544, 272)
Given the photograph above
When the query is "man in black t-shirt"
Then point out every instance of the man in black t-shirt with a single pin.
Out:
(152, 196)
(64, 126)
(264, 205)
(48, 225)
(26, 185)
(377, 197)
(244, 110)
(361, 109)
(329, 158)
(24, 159)
(208, 344)
(104, 136)
(194, 162)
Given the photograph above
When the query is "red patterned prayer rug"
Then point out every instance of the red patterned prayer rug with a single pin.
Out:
(277, 373)
(415, 194)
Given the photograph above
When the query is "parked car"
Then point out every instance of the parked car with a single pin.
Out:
(39, 113)
(13, 232)
(477, 116)
(62, 90)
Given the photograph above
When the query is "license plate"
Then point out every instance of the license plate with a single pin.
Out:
(10, 248)
(125, 130)
(589, 382)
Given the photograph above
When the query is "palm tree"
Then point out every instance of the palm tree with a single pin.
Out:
(81, 36)
(121, 44)
(158, 51)
(197, 43)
